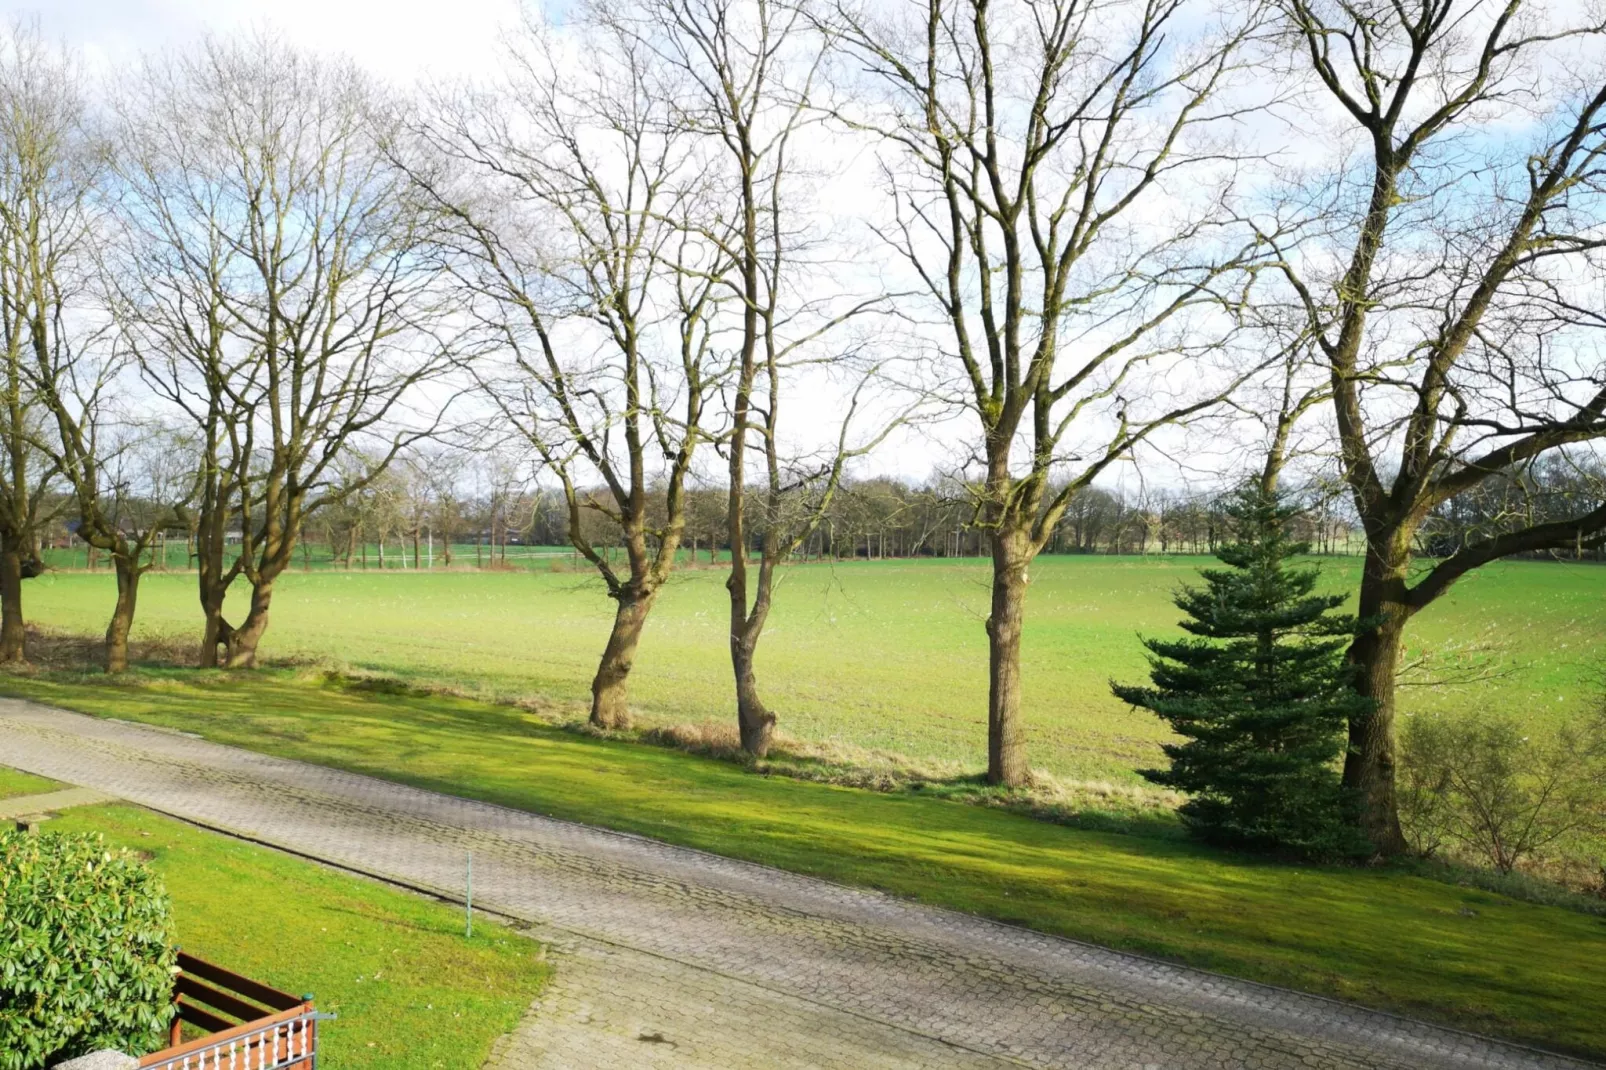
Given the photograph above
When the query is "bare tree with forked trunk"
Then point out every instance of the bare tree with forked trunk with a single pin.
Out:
(749, 68)
(576, 209)
(131, 481)
(1060, 174)
(1449, 268)
(274, 292)
(124, 478)
(47, 170)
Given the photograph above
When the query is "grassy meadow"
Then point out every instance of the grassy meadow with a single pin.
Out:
(892, 655)
(887, 655)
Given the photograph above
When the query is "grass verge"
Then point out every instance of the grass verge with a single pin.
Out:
(411, 991)
(1383, 937)
(13, 783)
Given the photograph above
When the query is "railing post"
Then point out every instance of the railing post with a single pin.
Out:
(175, 1028)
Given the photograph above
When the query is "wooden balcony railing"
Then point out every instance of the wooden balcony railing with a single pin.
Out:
(249, 1026)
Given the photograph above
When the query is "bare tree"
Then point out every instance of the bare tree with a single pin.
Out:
(439, 476)
(1059, 178)
(124, 476)
(749, 69)
(577, 206)
(275, 294)
(132, 480)
(45, 180)
(1446, 274)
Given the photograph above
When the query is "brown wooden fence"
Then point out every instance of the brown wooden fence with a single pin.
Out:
(249, 1025)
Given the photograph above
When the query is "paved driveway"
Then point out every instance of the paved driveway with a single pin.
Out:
(671, 957)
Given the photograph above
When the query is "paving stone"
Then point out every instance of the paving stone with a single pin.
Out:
(49, 802)
(669, 957)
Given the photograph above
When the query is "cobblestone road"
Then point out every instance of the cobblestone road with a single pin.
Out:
(668, 957)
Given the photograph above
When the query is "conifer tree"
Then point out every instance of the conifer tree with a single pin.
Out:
(1260, 694)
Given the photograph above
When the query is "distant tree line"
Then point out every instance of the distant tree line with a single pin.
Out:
(453, 508)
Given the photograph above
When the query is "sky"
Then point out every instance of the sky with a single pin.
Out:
(397, 39)
(408, 41)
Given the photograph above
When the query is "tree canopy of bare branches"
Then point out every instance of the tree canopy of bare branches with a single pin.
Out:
(1059, 174)
(273, 291)
(1446, 260)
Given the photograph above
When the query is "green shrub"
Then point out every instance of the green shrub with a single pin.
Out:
(1501, 792)
(86, 950)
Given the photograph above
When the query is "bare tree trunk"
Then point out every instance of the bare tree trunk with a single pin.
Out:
(1006, 730)
(122, 622)
(753, 719)
(1375, 655)
(610, 705)
(209, 575)
(12, 629)
(242, 642)
(216, 634)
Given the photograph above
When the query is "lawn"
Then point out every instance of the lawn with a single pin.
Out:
(1382, 937)
(14, 782)
(411, 991)
(887, 655)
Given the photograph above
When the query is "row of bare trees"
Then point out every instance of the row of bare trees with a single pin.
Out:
(766, 235)
(1073, 178)
(214, 282)
(427, 509)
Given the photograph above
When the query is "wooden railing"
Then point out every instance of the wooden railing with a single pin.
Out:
(249, 1026)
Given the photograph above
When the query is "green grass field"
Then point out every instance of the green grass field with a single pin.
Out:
(885, 655)
(411, 991)
(1382, 936)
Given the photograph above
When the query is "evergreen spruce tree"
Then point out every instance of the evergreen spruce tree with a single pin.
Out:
(1260, 694)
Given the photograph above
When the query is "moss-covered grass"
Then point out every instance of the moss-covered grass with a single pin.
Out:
(1383, 937)
(411, 991)
(888, 655)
